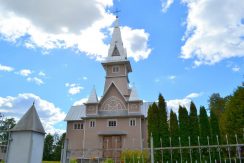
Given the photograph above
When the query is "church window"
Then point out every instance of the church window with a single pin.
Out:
(112, 123)
(92, 123)
(115, 69)
(132, 122)
(78, 126)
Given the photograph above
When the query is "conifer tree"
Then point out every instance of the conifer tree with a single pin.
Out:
(184, 131)
(204, 131)
(163, 126)
(215, 132)
(153, 129)
(174, 134)
(194, 129)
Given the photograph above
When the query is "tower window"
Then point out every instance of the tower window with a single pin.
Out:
(115, 69)
(132, 122)
(78, 126)
(112, 123)
(92, 123)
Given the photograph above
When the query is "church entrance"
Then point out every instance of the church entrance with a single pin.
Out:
(112, 146)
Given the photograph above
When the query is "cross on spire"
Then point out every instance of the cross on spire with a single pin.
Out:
(116, 12)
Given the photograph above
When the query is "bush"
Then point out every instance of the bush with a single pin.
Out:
(109, 160)
(128, 156)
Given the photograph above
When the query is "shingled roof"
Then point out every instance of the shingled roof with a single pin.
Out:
(30, 122)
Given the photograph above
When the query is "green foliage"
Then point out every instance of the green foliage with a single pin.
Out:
(137, 156)
(163, 127)
(232, 121)
(184, 131)
(217, 104)
(204, 126)
(48, 148)
(194, 129)
(58, 147)
(6, 124)
(52, 147)
(174, 134)
(108, 160)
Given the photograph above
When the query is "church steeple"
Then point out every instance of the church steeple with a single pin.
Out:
(116, 65)
(116, 50)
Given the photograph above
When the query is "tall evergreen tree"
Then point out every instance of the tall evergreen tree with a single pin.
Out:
(194, 129)
(174, 134)
(204, 131)
(215, 133)
(163, 126)
(204, 126)
(153, 129)
(184, 131)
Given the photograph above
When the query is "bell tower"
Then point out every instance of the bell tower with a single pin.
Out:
(116, 64)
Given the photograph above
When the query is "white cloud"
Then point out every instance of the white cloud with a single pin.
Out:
(50, 114)
(215, 30)
(186, 101)
(84, 78)
(41, 73)
(80, 102)
(25, 72)
(36, 80)
(82, 26)
(193, 95)
(166, 4)
(6, 68)
(135, 41)
(73, 88)
(172, 77)
(236, 68)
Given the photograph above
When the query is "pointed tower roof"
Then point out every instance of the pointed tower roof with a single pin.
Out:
(116, 50)
(133, 95)
(30, 122)
(93, 96)
(117, 53)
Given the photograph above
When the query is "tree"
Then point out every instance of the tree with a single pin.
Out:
(58, 147)
(194, 129)
(5, 126)
(184, 131)
(215, 133)
(153, 129)
(232, 121)
(48, 148)
(174, 134)
(204, 130)
(163, 127)
(216, 104)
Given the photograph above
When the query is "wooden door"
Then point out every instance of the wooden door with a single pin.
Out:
(112, 146)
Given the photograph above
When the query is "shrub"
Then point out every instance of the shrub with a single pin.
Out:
(128, 156)
(108, 160)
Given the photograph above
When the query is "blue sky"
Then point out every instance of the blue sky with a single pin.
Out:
(185, 50)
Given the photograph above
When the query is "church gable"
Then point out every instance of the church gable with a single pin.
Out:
(112, 100)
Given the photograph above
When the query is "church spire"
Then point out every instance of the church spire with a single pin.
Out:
(93, 96)
(117, 50)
